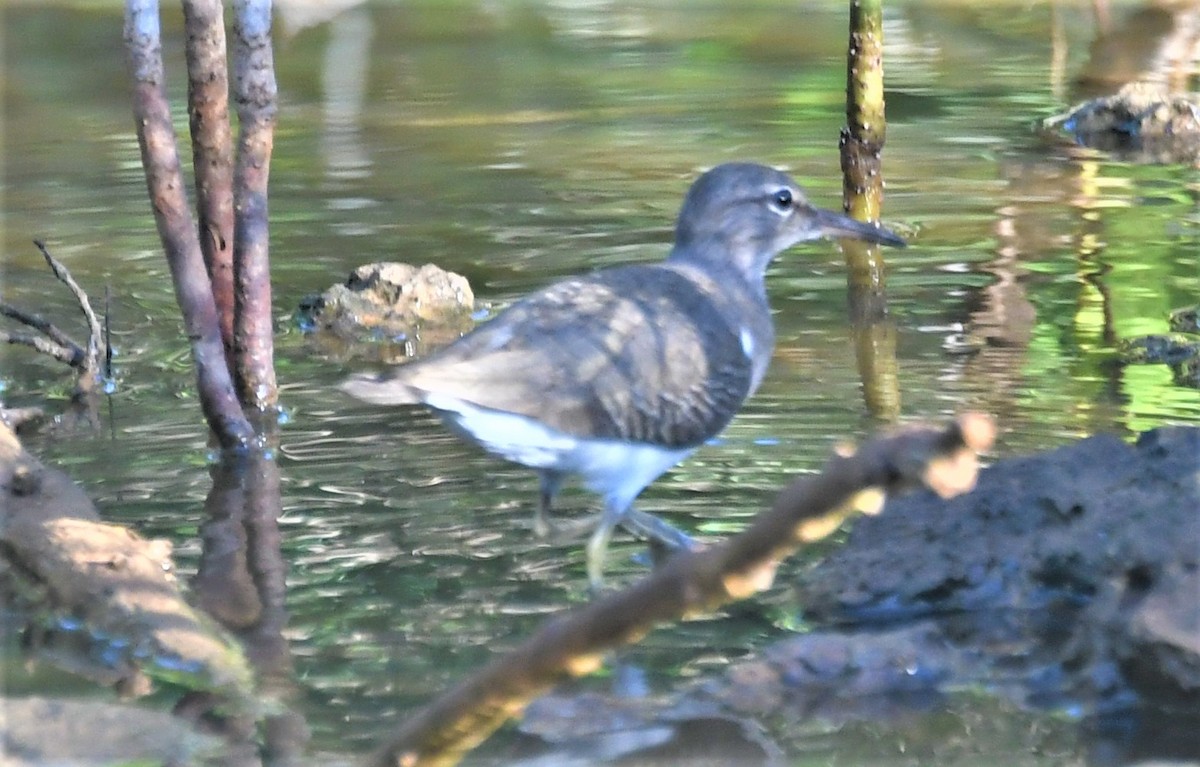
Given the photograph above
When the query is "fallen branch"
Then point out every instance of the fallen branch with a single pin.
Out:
(691, 583)
(57, 558)
(16, 417)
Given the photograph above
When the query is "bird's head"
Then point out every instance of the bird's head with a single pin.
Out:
(746, 214)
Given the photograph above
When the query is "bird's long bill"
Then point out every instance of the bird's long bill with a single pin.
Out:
(837, 225)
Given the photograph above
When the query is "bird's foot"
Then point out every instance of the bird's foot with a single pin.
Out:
(560, 531)
(658, 532)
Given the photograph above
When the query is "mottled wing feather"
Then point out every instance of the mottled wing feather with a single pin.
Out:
(639, 353)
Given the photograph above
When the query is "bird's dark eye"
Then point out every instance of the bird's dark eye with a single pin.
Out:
(782, 199)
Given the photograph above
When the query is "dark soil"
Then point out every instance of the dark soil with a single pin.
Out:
(1086, 558)
(1067, 582)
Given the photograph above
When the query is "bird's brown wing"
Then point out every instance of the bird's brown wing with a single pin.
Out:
(639, 353)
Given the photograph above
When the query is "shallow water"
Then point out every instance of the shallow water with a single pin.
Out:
(516, 143)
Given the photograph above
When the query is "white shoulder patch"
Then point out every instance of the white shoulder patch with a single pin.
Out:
(747, 343)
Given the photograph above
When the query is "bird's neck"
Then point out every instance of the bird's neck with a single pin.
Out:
(725, 263)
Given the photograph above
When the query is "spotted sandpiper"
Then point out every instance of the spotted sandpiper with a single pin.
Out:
(618, 375)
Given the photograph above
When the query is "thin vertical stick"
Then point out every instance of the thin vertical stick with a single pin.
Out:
(862, 191)
(212, 152)
(108, 352)
(866, 126)
(168, 198)
(255, 97)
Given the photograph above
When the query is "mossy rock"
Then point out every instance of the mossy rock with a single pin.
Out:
(389, 310)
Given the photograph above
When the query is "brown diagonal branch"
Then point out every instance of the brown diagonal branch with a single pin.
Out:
(255, 98)
(690, 583)
(212, 152)
(164, 182)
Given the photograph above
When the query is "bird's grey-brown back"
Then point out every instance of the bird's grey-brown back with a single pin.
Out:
(641, 354)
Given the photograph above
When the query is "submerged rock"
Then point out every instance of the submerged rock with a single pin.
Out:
(1141, 122)
(1163, 348)
(1185, 319)
(390, 304)
(1180, 350)
(46, 731)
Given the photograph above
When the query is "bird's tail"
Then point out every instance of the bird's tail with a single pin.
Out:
(381, 389)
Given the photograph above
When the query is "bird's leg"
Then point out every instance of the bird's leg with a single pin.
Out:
(549, 483)
(660, 534)
(597, 545)
(541, 517)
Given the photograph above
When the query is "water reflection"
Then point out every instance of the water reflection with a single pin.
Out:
(241, 581)
(1156, 41)
(345, 70)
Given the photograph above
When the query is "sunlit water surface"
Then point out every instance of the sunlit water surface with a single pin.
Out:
(516, 143)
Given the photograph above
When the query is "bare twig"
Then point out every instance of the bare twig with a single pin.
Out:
(108, 352)
(691, 583)
(861, 144)
(60, 339)
(91, 360)
(71, 356)
(56, 343)
(863, 137)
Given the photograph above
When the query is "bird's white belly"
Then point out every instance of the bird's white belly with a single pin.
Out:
(616, 470)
